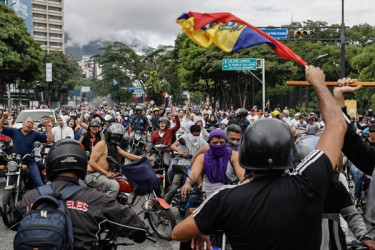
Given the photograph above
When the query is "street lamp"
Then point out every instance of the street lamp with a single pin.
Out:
(342, 36)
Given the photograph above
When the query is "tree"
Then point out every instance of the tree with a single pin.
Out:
(65, 74)
(20, 54)
(120, 66)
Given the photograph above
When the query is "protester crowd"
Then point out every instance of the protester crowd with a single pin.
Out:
(234, 146)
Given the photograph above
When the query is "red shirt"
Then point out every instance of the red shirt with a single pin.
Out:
(4, 137)
(167, 137)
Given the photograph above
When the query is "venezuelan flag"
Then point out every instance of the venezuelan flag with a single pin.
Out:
(167, 99)
(230, 33)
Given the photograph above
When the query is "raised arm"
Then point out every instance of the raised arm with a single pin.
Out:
(187, 108)
(332, 138)
(355, 149)
(5, 116)
(81, 123)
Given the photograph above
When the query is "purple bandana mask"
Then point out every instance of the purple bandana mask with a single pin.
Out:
(216, 161)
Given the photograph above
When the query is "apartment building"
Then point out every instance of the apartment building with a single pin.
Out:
(48, 24)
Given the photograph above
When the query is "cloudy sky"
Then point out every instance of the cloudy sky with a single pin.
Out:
(153, 21)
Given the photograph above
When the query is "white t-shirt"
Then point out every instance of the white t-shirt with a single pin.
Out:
(252, 118)
(293, 123)
(59, 133)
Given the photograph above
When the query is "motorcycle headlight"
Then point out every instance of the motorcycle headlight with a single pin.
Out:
(137, 137)
(12, 166)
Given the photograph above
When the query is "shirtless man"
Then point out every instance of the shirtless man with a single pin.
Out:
(99, 174)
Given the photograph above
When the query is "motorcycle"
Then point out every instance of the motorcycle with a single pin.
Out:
(159, 166)
(162, 221)
(178, 180)
(17, 183)
(359, 244)
(4, 147)
(187, 206)
(137, 145)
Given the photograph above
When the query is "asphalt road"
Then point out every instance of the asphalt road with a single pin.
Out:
(7, 235)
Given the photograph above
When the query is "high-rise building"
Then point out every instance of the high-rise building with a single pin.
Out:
(22, 9)
(44, 20)
(48, 24)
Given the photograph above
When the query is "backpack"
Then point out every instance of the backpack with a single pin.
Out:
(47, 225)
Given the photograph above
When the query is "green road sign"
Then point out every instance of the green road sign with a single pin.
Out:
(239, 64)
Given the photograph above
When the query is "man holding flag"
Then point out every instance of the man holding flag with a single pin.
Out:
(273, 210)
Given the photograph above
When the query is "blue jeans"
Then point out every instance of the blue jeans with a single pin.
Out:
(34, 174)
(357, 177)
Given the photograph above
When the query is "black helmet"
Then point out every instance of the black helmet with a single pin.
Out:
(163, 119)
(241, 112)
(116, 128)
(66, 155)
(267, 144)
(95, 123)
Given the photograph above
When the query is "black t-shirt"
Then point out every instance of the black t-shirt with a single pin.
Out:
(273, 212)
(369, 143)
(337, 197)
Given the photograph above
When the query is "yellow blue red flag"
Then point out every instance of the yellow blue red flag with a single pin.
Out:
(167, 99)
(230, 33)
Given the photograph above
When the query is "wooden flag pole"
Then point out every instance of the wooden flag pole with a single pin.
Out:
(305, 83)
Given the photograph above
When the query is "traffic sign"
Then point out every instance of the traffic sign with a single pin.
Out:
(85, 89)
(48, 72)
(277, 33)
(239, 64)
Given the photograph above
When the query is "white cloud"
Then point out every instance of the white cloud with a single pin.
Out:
(153, 22)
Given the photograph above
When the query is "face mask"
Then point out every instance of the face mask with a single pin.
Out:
(194, 139)
(233, 145)
(126, 118)
(218, 150)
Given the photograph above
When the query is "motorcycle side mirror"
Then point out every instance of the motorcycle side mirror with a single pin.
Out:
(182, 141)
(37, 144)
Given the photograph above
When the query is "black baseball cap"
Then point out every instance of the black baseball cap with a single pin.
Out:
(371, 127)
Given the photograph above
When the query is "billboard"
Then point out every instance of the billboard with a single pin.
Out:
(23, 10)
(88, 67)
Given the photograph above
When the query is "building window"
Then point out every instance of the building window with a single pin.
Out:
(54, 26)
(36, 33)
(41, 16)
(54, 8)
(39, 6)
(54, 35)
(39, 25)
(56, 1)
(42, 42)
(59, 18)
(55, 44)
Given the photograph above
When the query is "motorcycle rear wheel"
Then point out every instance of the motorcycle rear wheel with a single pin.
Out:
(162, 223)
